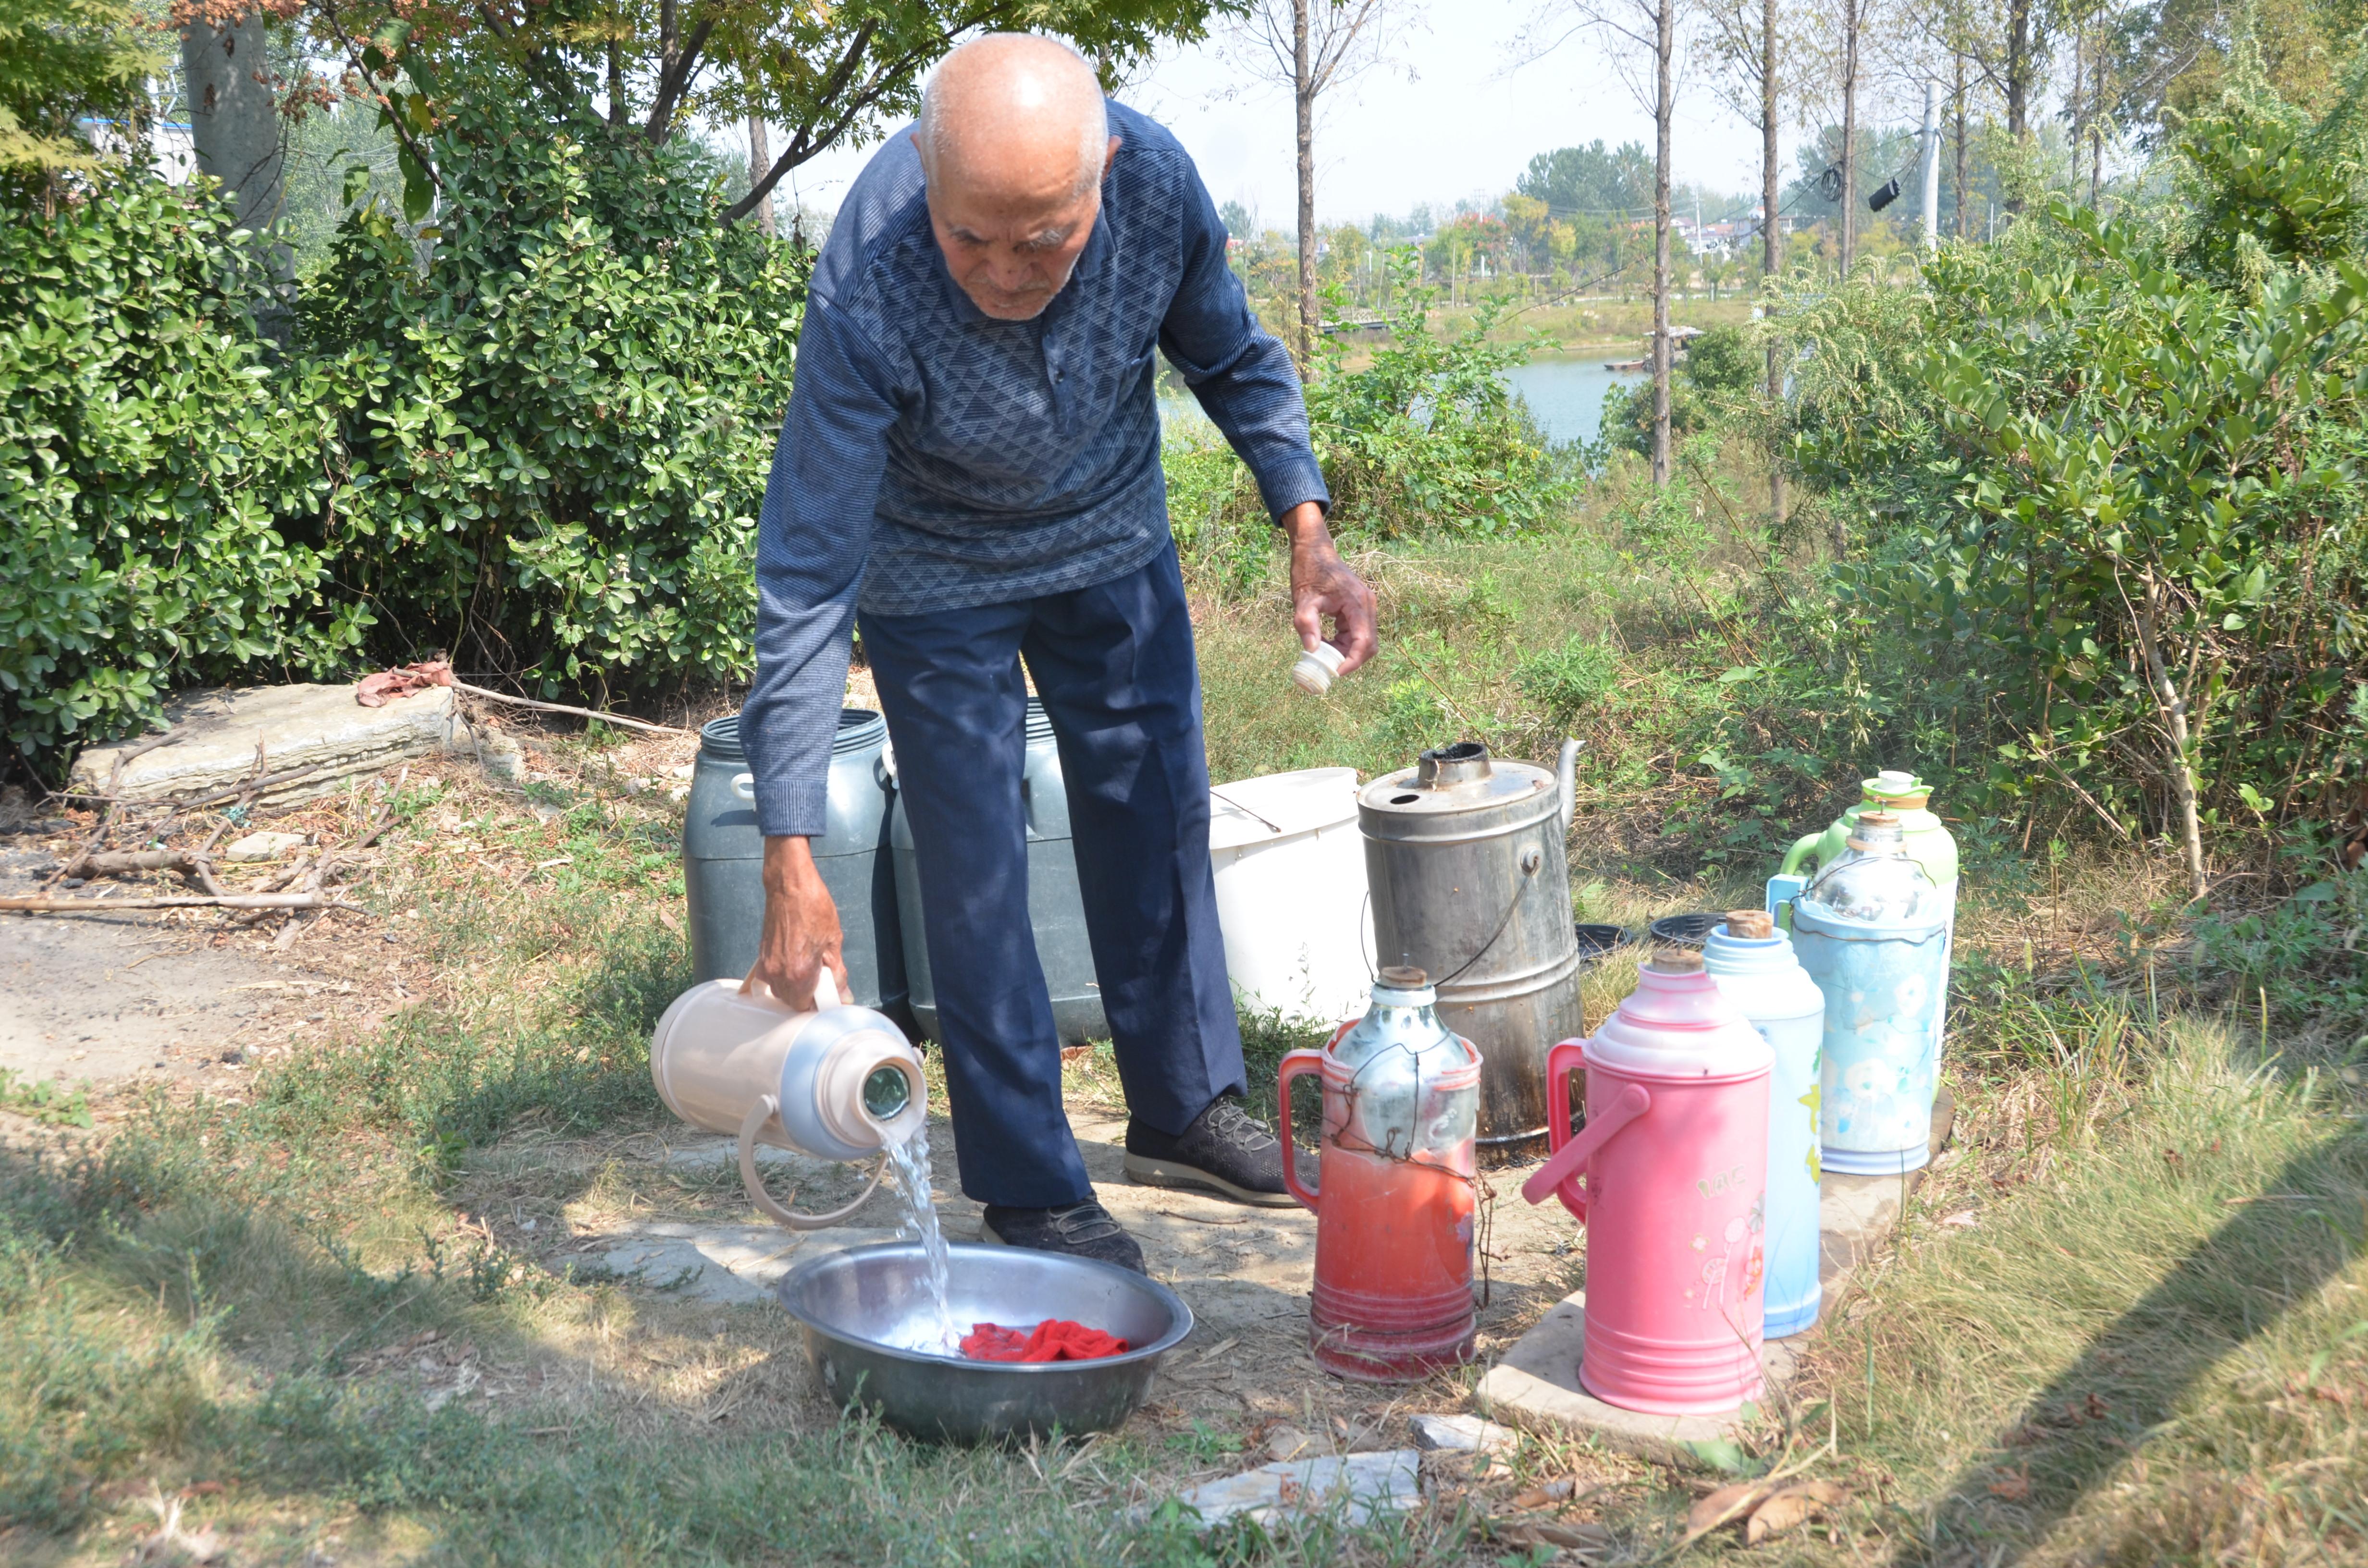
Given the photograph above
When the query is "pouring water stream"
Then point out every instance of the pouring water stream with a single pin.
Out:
(930, 1332)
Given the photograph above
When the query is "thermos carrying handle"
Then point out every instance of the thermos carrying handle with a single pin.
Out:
(744, 786)
(1562, 1060)
(826, 991)
(1560, 1174)
(1295, 1064)
(759, 1114)
(1782, 891)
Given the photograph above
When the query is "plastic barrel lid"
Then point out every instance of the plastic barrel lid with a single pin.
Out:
(1596, 940)
(1685, 930)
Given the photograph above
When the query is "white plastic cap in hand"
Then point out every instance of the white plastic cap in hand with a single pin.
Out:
(1316, 668)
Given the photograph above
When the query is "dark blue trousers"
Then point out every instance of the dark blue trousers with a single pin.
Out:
(1113, 665)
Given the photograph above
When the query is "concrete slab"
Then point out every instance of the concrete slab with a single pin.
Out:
(218, 734)
(1362, 1487)
(722, 1263)
(1460, 1434)
(1536, 1382)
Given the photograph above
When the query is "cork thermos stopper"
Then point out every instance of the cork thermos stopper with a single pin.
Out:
(1676, 960)
(1750, 925)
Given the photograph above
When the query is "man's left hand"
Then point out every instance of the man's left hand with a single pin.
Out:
(1322, 585)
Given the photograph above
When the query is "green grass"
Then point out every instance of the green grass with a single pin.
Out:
(223, 1296)
(2152, 1343)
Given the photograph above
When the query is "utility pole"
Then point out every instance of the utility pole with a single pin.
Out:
(1931, 166)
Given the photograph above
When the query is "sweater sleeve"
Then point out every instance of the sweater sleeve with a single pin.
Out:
(813, 538)
(1243, 377)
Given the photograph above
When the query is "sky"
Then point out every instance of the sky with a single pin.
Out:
(1464, 125)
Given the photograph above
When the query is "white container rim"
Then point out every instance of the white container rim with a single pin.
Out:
(1278, 806)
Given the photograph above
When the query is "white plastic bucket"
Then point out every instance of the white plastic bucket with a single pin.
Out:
(1291, 893)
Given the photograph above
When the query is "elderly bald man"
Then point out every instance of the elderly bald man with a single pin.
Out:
(970, 473)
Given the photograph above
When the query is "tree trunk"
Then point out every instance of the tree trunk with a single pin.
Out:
(2019, 49)
(1965, 218)
(1850, 18)
(1772, 228)
(1664, 48)
(2179, 749)
(760, 158)
(2097, 134)
(233, 122)
(1303, 94)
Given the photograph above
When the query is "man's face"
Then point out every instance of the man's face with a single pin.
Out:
(1011, 232)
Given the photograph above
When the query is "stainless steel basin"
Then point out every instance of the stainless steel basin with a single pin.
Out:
(849, 1302)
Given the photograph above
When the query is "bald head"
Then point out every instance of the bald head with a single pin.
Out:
(1015, 115)
(1014, 137)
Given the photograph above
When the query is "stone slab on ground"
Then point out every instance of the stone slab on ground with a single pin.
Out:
(723, 1262)
(216, 733)
(1536, 1382)
(1460, 1434)
(1363, 1487)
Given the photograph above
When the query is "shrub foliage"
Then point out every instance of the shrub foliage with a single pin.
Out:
(534, 434)
(157, 472)
(553, 436)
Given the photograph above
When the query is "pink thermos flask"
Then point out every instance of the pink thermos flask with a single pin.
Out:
(1669, 1175)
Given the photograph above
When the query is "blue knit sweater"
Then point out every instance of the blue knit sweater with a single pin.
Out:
(936, 458)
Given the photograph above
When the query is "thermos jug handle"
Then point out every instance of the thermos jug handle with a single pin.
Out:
(759, 1114)
(1782, 891)
(826, 992)
(1561, 1062)
(1559, 1176)
(744, 786)
(1296, 1064)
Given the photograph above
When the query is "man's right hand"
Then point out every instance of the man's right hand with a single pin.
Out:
(802, 935)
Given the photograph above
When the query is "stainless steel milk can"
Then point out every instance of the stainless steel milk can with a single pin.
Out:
(1470, 883)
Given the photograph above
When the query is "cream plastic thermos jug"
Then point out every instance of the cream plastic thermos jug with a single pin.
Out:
(840, 1083)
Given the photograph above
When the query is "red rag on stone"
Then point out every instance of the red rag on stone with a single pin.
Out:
(1054, 1339)
(374, 690)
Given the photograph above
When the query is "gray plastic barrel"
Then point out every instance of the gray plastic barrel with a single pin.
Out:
(1056, 910)
(723, 856)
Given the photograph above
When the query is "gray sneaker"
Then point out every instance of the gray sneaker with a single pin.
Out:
(1226, 1150)
(1081, 1229)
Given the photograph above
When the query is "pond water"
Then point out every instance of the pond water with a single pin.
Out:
(1565, 393)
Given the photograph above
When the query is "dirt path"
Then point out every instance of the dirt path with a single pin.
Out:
(110, 999)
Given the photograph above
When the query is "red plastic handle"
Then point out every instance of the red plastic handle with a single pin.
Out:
(1561, 1063)
(1295, 1064)
(1560, 1174)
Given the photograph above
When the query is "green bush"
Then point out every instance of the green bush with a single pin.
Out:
(552, 437)
(1428, 439)
(157, 480)
(2104, 458)
(1722, 369)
